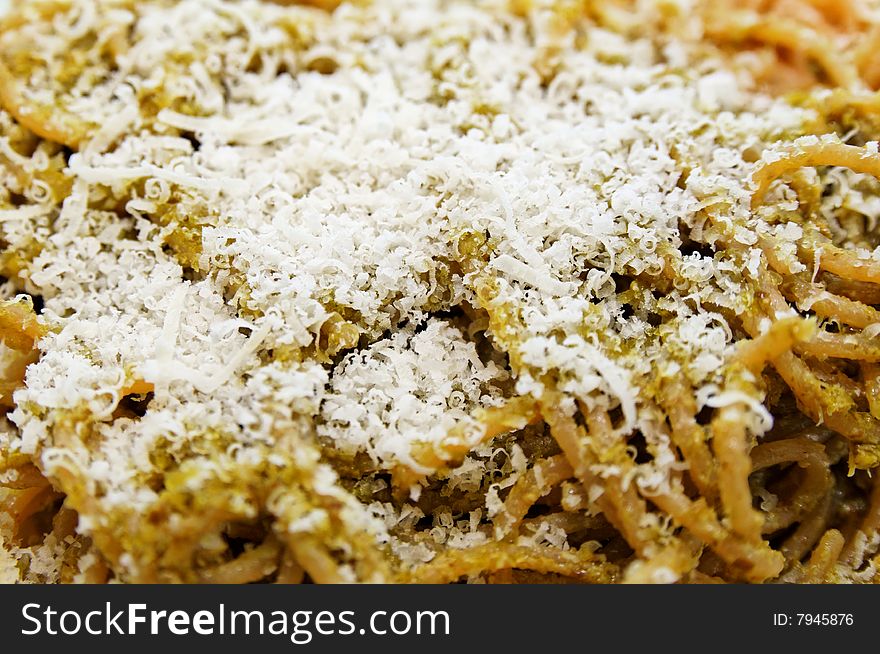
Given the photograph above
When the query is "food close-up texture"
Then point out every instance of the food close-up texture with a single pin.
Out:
(434, 291)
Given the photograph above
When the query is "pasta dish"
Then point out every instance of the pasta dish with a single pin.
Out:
(433, 291)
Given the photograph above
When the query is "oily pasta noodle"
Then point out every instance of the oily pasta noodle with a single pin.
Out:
(514, 414)
(830, 405)
(817, 481)
(19, 326)
(24, 508)
(316, 561)
(754, 563)
(847, 265)
(53, 124)
(730, 440)
(571, 523)
(454, 564)
(13, 377)
(808, 532)
(683, 559)
(624, 496)
(780, 31)
(24, 477)
(289, 570)
(828, 371)
(625, 509)
(690, 437)
(855, 347)
(49, 121)
(621, 501)
(823, 558)
(538, 481)
(825, 403)
(731, 447)
(828, 305)
(864, 292)
(819, 153)
(250, 566)
(796, 30)
(780, 338)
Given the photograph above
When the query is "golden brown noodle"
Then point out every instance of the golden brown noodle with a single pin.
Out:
(817, 481)
(823, 559)
(249, 567)
(452, 565)
(538, 481)
(690, 437)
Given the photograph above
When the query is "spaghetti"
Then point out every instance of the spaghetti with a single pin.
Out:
(432, 291)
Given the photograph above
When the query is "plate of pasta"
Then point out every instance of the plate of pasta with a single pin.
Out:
(438, 291)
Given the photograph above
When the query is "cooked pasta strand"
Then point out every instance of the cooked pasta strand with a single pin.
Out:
(821, 564)
(452, 565)
(249, 567)
(538, 481)
(690, 437)
(812, 297)
(817, 483)
(823, 153)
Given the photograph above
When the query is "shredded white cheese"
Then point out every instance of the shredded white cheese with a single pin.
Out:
(374, 168)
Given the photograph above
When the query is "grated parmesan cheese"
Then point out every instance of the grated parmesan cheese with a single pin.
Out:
(360, 176)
